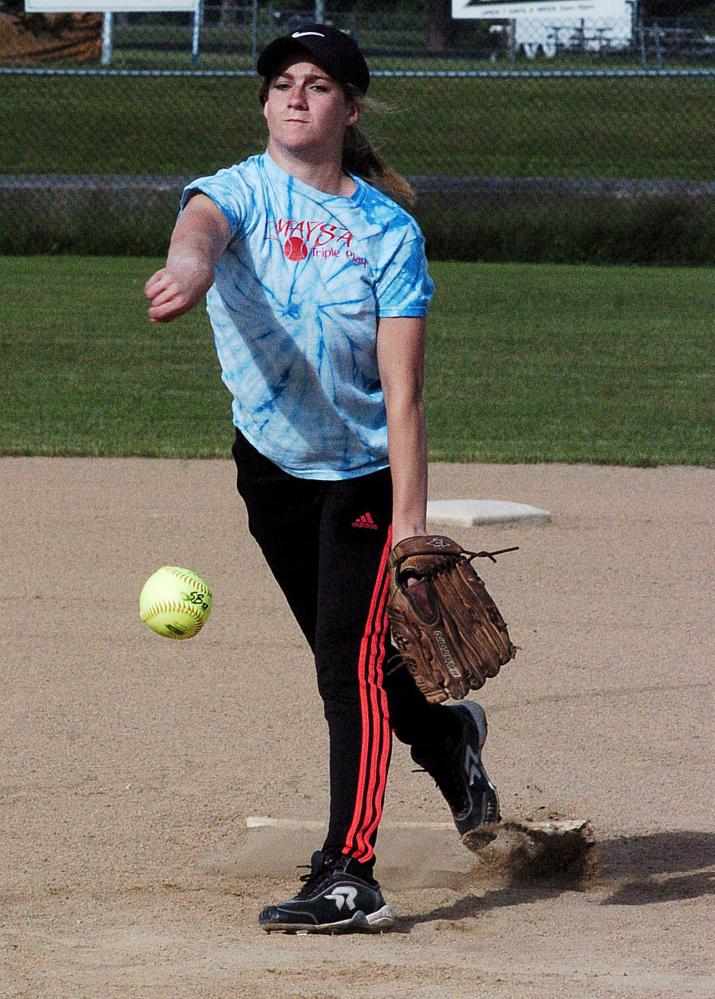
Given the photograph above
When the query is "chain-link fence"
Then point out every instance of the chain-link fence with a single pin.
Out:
(404, 40)
(401, 36)
(558, 137)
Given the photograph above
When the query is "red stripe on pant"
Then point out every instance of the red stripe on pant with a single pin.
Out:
(376, 733)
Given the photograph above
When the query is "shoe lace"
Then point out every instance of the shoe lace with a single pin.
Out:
(317, 875)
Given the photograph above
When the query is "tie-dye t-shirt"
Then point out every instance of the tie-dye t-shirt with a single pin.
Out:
(294, 308)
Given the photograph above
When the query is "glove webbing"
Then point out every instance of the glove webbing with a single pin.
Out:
(490, 555)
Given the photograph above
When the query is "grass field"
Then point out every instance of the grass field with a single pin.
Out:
(590, 128)
(586, 128)
(525, 363)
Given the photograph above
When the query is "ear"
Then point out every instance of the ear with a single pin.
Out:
(353, 113)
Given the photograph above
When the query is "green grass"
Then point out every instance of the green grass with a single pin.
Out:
(525, 363)
(577, 364)
(84, 373)
(639, 128)
(597, 128)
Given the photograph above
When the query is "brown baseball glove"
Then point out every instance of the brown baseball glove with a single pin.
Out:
(447, 628)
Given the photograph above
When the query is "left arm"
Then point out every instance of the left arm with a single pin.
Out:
(400, 358)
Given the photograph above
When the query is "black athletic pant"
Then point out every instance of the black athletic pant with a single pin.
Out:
(327, 545)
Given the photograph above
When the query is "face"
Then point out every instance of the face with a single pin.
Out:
(307, 111)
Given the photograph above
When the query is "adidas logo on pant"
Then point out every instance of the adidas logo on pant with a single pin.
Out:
(365, 521)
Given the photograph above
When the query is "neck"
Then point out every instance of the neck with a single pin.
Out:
(327, 176)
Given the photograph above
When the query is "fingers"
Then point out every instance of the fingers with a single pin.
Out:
(168, 299)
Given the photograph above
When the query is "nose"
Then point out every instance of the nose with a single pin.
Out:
(296, 97)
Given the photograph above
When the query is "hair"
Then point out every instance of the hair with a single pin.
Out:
(360, 157)
(363, 159)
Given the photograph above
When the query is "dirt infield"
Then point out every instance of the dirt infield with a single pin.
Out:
(130, 763)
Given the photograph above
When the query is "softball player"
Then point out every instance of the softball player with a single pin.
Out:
(317, 290)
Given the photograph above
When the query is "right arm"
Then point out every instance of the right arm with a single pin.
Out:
(201, 234)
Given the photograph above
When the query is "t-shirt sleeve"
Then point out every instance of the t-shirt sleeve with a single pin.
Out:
(227, 192)
(404, 287)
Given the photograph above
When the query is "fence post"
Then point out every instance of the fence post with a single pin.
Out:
(196, 30)
(254, 32)
(658, 47)
(644, 47)
(106, 56)
(512, 43)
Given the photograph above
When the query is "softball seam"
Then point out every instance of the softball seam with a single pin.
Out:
(187, 578)
(164, 608)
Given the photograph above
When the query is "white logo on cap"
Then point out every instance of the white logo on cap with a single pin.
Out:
(302, 34)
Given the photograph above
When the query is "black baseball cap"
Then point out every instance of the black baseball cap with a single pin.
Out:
(334, 50)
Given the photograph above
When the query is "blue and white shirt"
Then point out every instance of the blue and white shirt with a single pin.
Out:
(294, 309)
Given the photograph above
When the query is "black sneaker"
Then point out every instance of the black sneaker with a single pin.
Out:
(460, 775)
(337, 897)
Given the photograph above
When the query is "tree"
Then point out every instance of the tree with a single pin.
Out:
(36, 24)
(675, 8)
(440, 24)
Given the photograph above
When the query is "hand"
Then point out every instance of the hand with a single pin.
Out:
(400, 534)
(176, 289)
(402, 531)
(200, 236)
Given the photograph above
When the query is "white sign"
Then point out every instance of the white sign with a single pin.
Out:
(547, 28)
(107, 6)
(539, 10)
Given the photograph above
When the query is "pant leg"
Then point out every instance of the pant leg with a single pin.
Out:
(284, 518)
(327, 544)
(350, 656)
(353, 654)
(423, 726)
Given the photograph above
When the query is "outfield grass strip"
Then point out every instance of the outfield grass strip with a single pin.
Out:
(525, 363)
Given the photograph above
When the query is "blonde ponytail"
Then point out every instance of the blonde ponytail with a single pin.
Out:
(362, 159)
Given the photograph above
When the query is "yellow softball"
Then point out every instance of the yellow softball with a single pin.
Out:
(175, 602)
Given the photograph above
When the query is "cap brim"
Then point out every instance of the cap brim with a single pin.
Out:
(338, 56)
(276, 53)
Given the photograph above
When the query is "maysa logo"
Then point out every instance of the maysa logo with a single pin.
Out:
(314, 234)
(302, 238)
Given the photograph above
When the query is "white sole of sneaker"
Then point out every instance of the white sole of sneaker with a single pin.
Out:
(383, 919)
(376, 922)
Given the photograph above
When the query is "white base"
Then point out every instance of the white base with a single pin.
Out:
(467, 513)
(264, 821)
